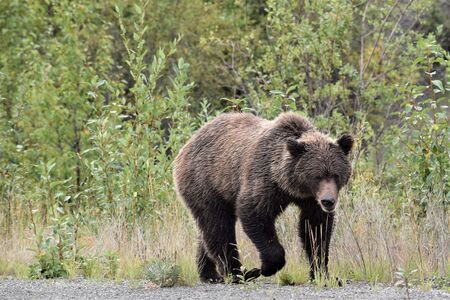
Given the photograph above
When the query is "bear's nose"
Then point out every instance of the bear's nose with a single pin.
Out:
(328, 203)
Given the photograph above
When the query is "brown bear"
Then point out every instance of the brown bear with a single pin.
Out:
(241, 166)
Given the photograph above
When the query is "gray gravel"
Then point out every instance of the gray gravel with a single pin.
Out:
(84, 289)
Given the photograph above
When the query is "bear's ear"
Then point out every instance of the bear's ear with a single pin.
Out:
(346, 143)
(295, 148)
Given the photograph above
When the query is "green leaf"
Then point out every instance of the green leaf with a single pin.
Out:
(438, 84)
(100, 83)
(138, 9)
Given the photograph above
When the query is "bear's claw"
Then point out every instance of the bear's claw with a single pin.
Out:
(246, 276)
(252, 274)
(213, 280)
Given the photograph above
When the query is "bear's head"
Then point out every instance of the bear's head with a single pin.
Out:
(317, 167)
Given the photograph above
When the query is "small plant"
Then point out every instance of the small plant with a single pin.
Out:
(111, 260)
(322, 280)
(246, 276)
(440, 282)
(286, 278)
(48, 265)
(292, 274)
(163, 273)
(404, 279)
(85, 265)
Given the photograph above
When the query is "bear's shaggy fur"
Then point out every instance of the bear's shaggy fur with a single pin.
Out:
(241, 166)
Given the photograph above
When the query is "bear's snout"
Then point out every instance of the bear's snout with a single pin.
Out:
(327, 195)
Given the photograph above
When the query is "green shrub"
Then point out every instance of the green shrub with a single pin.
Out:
(48, 265)
(111, 264)
(86, 265)
(163, 273)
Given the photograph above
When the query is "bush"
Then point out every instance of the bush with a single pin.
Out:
(86, 265)
(163, 273)
(49, 265)
(111, 264)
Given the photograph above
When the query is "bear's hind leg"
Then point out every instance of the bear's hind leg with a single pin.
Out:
(219, 237)
(206, 266)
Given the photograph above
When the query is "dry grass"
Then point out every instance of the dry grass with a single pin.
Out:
(370, 242)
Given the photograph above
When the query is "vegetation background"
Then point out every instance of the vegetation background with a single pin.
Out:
(97, 97)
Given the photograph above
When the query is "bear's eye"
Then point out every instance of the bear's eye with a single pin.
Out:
(317, 178)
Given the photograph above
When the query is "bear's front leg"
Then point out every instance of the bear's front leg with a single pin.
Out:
(260, 228)
(315, 230)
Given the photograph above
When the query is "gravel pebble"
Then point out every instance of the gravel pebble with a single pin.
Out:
(85, 289)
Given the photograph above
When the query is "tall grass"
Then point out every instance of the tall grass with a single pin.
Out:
(370, 243)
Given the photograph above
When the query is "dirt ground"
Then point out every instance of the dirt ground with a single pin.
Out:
(85, 289)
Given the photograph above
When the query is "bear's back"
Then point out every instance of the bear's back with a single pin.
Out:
(217, 157)
(212, 159)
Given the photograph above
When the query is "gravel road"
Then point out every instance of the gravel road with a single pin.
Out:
(84, 289)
